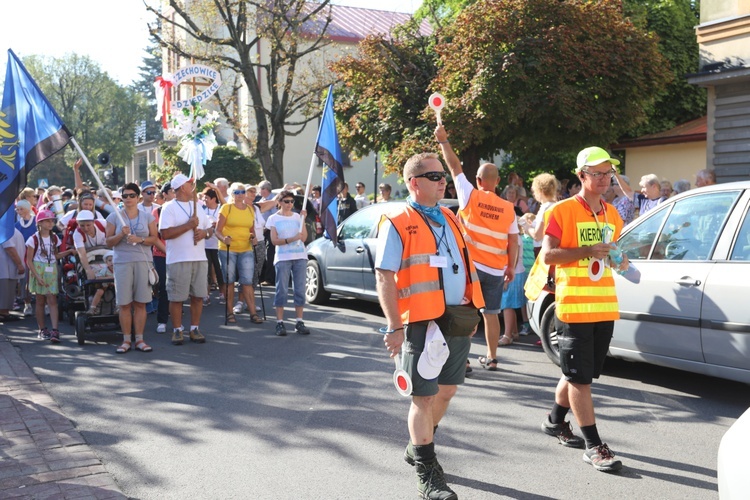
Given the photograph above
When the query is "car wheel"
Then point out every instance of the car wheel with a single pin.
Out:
(314, 291)
(81, 327)
(548, 334)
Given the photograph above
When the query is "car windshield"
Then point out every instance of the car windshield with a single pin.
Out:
(684, 230)
(363, 223)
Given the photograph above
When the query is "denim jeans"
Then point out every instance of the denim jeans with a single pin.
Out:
(297, 269)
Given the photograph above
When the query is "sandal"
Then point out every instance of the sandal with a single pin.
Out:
(143, 347)
(256, 319)
(125, 347)
(504, 341)
(231, 318)
(487, 363)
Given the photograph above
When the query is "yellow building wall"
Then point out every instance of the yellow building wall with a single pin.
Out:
(670, 162)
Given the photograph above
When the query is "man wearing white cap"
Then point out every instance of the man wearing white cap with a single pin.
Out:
(425, 276)
(585, 300)
(185, 230)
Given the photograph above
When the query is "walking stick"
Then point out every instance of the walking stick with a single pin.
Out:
(262, 302)
(226, 291)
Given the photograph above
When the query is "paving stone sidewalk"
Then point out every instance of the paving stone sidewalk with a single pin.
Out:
(42, 455)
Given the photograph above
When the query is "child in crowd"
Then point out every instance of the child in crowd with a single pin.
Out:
(514, 298)
(41, 259)
(105, 272)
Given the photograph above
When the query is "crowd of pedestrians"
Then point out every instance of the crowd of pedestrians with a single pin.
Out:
(168, 246)
(435, 270)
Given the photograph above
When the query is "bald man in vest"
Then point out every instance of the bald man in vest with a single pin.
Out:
(491, 232)
(585, 302)
(424, 274)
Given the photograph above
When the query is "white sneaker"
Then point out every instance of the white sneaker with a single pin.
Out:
(46, 310)
(27, 310)
(258, 309)
(161, 328)
(239, 307)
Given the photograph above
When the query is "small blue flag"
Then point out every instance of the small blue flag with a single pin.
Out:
(327, 148)
(30, 132)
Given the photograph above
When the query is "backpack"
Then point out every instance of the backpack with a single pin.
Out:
(52, 240)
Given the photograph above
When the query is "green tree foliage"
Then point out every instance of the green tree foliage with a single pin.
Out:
(542, 77)
(380, 106)
(674, 22)
(538, 78)
(99, 112)
(227, 162)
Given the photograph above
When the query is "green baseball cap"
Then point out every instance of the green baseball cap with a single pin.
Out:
(592, 156)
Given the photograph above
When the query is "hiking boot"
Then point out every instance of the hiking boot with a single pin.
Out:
(431, 482)
(300, 328)
(54, 336)
(409, 456)
(602, 458)
(280, 329)
(563, 432)
(177, 337)
(43, 334)
(197, 337)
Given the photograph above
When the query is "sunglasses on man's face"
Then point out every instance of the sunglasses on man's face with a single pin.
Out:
(287, 201)
(125, 196)
(432, 176)
(149, 192)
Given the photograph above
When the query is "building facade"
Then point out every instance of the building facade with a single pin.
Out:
(724, 41)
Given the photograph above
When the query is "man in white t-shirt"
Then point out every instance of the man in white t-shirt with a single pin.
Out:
(491, 232)
(361, 198)
(185, 230)
(148, 195)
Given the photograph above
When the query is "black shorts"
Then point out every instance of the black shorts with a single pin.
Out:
(583, 348)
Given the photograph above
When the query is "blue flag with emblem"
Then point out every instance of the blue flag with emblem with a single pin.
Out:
(327, 148)
(30, 132)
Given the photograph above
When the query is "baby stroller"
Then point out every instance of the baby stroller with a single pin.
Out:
(106, 317)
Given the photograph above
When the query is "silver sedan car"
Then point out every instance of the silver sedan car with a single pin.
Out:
(690, 309)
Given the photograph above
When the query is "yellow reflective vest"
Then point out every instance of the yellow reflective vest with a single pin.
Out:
(577, 297)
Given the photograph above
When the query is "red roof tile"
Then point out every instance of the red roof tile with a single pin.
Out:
(352, 24)
(692, 131)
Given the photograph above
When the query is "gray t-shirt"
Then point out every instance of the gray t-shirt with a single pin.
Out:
(125, 252)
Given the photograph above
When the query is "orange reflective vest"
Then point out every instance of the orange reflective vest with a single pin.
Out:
(486, 220)
(577, 297)
(419, 285)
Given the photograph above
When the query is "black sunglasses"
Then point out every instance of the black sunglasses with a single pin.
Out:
(125, 196)
(432, 176)
(287, 201)
(149, 192)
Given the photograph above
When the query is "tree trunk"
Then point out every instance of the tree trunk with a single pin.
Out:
(470, 163)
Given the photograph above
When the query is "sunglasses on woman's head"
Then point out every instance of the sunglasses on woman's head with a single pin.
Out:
(125, 196)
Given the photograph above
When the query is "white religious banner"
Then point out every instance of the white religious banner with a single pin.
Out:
(186, 119)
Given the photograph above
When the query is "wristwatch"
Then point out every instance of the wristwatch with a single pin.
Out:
(208, 233)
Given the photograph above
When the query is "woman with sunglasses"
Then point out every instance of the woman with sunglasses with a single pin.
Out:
(290, 258)
(132, 243)
(236, 233)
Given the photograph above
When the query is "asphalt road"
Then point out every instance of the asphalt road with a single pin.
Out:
(252, 415)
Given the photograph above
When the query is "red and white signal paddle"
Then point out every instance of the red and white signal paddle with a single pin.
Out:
(401, 379)
(437, 102)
